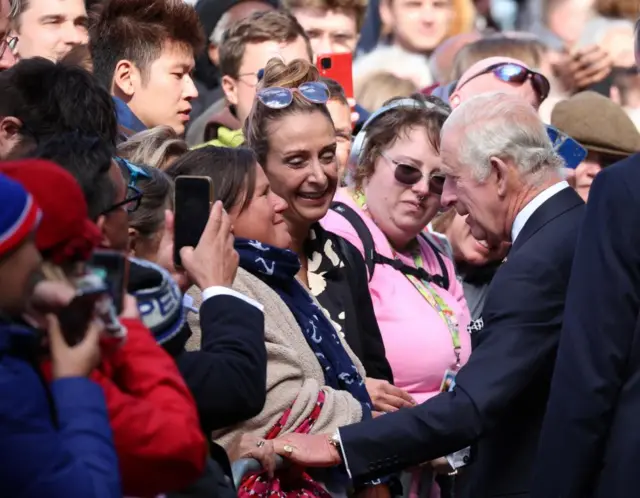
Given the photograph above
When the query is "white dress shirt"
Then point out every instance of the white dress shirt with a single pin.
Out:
(524, 215)
(218, 290)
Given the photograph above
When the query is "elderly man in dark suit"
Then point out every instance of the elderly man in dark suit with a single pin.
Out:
(503, 174)
(589, 444)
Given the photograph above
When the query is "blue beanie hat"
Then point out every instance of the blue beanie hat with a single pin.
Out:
(19, 215)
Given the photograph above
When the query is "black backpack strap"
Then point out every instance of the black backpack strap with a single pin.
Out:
(363, 232)
(444, 279)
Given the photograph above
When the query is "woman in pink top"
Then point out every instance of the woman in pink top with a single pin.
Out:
(396, 192)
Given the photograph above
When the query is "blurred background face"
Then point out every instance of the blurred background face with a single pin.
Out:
(418, 25)
(587, 170)
(330, 31)
(262, 219)
(51, 28)
(467, 249)
(302, 166)
(341, 116)
(8, 58)
(402, 211)
(241, 92)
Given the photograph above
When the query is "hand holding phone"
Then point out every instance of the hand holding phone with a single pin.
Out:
(73, 361)
(193, 198)
(214, 261)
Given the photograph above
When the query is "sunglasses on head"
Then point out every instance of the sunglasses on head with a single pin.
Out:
(134, 195)
(409, 175)
(277, 97)
(515, 73)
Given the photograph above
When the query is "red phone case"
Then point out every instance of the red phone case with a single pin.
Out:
(339, 68)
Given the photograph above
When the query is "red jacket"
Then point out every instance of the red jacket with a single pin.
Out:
(154, 419)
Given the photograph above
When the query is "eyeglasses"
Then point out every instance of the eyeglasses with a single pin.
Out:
(10, 42)
(410, 175)
(515, 73)
(258, 75)
(134, 195)
(277, 97)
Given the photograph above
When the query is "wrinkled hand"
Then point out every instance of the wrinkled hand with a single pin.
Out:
(76, 361)
(583, 68)
(214, 261)
(165, 253)
(308, 451)
(246, 446)
(386, 397)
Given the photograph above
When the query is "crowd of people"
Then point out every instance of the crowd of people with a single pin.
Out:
(429, 288)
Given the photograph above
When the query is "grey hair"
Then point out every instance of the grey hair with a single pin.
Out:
(17, 7)
(505, 126)
(218, 31)
(153, 147)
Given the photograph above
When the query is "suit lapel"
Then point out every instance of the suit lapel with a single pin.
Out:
(553, 207)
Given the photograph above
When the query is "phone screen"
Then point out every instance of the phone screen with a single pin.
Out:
(193, 198)
(75, 317)
(113, 267)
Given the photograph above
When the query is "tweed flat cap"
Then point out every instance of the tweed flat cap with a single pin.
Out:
(598, 123)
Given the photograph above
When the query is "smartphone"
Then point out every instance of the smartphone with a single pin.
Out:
(338, 67)
(193, 198)
(568, 148)
(113, 267)
(75, 317)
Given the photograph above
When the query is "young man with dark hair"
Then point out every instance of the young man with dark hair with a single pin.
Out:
(40, 99)
(144, 52)
(48, 28)
(333, 26)
(245, 49)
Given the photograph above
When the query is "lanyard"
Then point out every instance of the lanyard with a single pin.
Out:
(426, 290)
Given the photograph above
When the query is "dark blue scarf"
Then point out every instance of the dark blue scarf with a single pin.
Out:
(278, 268)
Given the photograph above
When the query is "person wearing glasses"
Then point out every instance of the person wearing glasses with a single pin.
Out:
(7, 43)
(395, 187)
(152, 413)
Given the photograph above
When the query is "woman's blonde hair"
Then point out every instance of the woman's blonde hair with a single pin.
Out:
(156, 147)
(527, 49)
(279, 74)
(429, 113)
(375, 90)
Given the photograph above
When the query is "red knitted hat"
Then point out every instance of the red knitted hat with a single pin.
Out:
(65, 233)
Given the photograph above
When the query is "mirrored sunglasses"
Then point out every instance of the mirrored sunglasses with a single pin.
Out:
(278, 97)
(515, 73)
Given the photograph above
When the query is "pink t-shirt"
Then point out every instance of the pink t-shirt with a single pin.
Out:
(417, 340)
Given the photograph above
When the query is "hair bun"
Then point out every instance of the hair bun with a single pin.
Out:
(292, 75)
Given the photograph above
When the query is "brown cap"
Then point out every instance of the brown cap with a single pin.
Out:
(598, 123)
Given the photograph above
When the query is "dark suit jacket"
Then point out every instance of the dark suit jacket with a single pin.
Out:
(590, 442)
(501, 392)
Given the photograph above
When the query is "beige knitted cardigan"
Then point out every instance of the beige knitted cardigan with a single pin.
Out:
(294, 376)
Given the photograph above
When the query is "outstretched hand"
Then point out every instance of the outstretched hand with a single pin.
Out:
(307, 450)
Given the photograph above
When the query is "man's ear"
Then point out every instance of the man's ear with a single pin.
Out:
(501, 171)
(9, 128)
(134, 237)
(230, 89)
(126, 79)
(101, 222)
(214, 54)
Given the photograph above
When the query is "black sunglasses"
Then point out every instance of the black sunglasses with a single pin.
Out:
(410, 175)
(515, 73)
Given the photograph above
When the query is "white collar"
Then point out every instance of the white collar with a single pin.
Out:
(526, 212)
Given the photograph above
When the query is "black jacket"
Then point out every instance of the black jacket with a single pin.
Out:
(501, 393)
(589, 444)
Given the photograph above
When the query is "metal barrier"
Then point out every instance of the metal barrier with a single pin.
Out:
(245, 466)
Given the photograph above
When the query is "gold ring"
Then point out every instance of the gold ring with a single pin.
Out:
(260, 443)
(288, 449)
